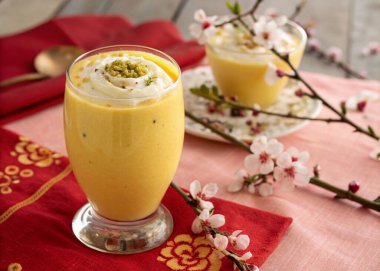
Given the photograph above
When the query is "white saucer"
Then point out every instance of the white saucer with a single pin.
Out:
(271, 126)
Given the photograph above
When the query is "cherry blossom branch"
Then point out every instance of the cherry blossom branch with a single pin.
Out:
(298, 9)
(208, 224)
(340, 193)
(205, 92)
(314, 94)
(236, 11)
(326, 55)
(319, 52)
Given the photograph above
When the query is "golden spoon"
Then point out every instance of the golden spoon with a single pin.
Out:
(48, 63)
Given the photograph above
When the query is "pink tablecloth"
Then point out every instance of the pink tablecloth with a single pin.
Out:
(326, 234)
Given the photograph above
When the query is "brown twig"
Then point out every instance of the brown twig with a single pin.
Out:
(299, 7)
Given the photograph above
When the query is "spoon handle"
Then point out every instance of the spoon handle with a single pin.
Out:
(22, 78)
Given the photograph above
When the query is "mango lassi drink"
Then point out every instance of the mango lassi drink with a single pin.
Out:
(239, 65)
(124, 128)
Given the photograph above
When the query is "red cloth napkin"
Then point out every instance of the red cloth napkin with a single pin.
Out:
(88, 32)
(39, 197)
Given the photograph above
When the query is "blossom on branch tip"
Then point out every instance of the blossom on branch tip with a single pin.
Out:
(268, 32)
(239, 241)
(201, 195)
(220, 242)
(334, 53)
(205, 219)
(314, 44)
(263, 153)
(372, 48)
(205, 26)
(359, 101)
(289, 172)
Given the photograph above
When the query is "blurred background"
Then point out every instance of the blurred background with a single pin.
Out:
(347, 24)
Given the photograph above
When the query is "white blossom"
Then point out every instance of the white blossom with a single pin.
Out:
(205, 26)
(289, 173)
(268, 32)
(220, 242)
(296, 156)
(201, 195)
(204, 218)
(239, 241)
(264, 151)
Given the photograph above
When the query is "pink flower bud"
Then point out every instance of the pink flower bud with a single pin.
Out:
(314, 44)
(206, 24)
(316, 170)
(211, 108)
(354, 186)
(234, 98)
(299, 92)
(334, 53)
(361, 105)
(280, 73)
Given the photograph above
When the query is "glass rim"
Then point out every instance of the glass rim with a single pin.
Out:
(124, 47)
(301, 33)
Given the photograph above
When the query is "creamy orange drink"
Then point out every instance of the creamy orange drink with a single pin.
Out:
(124, 128)
(239, 65)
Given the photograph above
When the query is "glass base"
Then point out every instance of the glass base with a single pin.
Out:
(119, 237)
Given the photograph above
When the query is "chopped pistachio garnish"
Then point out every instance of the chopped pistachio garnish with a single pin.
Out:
(150, 80)
(126, 69)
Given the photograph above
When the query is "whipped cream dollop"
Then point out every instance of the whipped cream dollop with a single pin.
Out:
(240, 46)
(99, 78)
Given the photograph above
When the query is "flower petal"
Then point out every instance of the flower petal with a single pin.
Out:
(209, 190)
(251, 188)
(220, 242)
(195, 30)
(235, 233)
(246, 256)
(195, 188)
(196, 227)
(267, 167)
(284, 160)
(200, 15)
(266, 189)
(259, 144)
(217, 221)
(241, 175)
(303, 157)
(206, 205)
(278, 174)
(204, 215)
(242, 242)
(252, 162)
(271, 76)
(274, 147)
(235, 187)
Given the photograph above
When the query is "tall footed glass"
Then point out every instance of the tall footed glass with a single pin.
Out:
(124, 129)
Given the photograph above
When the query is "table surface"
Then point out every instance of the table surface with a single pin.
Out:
(326, 234)
(348, 24)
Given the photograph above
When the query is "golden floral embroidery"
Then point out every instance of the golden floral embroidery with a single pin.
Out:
(14, 267)
(190, 254)
(11, 175)
(29, 153)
